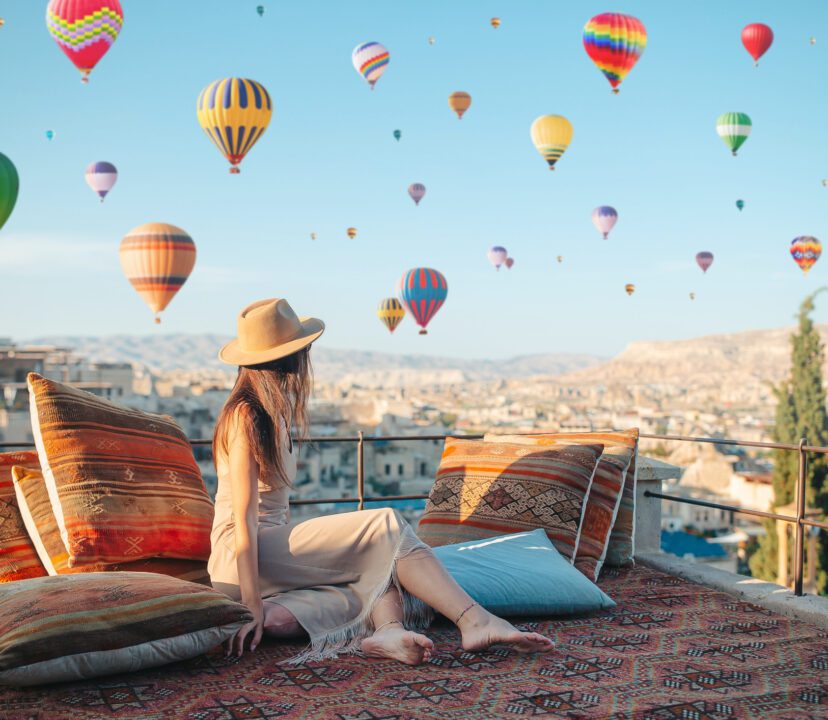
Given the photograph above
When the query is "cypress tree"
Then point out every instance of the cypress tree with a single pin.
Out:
(800, 412)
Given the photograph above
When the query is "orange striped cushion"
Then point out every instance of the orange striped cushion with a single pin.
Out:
(606, 494)
(36, 510)
(620, 548)
(488, 489)
(18, 557)
(123, 484)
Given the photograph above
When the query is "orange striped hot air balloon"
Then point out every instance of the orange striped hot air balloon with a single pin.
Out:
(157, 259)
(459, 102)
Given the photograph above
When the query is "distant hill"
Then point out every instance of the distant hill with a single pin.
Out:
(192, 352)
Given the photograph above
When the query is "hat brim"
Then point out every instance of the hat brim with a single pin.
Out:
(232, 354)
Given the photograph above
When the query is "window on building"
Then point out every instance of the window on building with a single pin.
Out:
(706, 516)
(400, 469)
(423, 469)
(387, 469)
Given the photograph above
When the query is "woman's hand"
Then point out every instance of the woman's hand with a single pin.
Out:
(254, 630)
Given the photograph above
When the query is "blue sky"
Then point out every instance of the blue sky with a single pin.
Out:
(329, 161)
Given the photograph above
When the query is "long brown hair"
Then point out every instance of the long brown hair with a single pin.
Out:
(267, 399)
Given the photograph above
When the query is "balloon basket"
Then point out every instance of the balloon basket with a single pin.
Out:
(615, 91)
(85, 77)
(234, 170)
(157, 319)
(423, 332)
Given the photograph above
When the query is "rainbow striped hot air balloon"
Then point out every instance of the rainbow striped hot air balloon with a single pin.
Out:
(101, 177)
(84, 29)
(733, 128)
(234, 112)
(805, 250)
(371, 61)
(391, 313)
(551, 135)
(157, 259)
(422, 291)
(614, 42)
(604, 218)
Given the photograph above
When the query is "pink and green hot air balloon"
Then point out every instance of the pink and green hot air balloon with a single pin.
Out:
(497, 256)
(604, 219)
(422, 291)
(704, 260)
(805, 250)
(84, 29)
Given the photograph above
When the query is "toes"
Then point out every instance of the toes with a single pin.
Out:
(424, 642)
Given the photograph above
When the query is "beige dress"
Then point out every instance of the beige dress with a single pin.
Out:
(328, 571)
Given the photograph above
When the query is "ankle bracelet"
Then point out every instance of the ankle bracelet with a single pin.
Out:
(460, 616)
(390, 622)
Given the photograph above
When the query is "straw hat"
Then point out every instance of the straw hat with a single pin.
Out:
(269, 330)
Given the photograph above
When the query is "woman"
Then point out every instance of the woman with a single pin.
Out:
(355, 581)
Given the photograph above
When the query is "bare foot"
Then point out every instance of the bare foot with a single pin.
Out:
(481, 630)
(397, 643)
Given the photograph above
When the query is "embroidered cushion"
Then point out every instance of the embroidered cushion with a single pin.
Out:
(123, 484)
(488, 489)
(615, 468)
(36, 511)
(521, 574)
(71, 627)
(18, 557)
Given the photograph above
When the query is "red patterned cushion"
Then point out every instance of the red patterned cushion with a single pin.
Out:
(488, 489)
(18, 557)
(123, 484)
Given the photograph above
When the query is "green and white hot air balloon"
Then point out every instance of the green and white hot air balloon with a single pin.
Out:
(733, 129)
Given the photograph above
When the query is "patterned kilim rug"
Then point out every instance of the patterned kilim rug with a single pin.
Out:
(670, 650)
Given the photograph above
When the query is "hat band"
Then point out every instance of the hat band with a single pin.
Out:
(268, 343)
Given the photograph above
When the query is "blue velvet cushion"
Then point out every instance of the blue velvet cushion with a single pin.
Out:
(521, 574)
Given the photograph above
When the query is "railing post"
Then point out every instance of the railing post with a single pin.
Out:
(360, 471)
(799, 529)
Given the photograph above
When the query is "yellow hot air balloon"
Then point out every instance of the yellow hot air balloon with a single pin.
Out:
(630, 288)
(234, 113)
(459, 102)
(551, 135)
(495, 22)
(352, 233)
(391, 312)
(157, 260)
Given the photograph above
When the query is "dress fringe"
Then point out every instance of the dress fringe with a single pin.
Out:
(347, 639)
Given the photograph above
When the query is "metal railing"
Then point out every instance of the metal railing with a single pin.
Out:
(799, 520)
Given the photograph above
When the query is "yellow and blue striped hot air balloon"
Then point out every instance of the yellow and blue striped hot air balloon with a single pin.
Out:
(234, 112)
(391, 312)
(551, 135)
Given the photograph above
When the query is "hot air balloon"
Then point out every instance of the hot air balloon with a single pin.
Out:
(805, 251)
(397, 135)
(391, 312)
(370, 60)
(352, 232)
(84, 29)
(495, 22)
(234, 112)
(313, 236)
(508, 263)
(417, 192)
(497, 256)
(704, 260)
(431, 41)
(733, 129)
(813, 40)
(157, 260)
(630, 288)
(551, 135)
(614, 42)
(604, 218)
(50, 134)
(422, 291)
(560, 258)
(101, 177)
(740, 204)
(692, 296)
(757, 38)
(459, 102)
(825, 182)
(2, 22)
(9, 187)
(261, 10)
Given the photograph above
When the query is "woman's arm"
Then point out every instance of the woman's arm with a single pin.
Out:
(244, 483)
